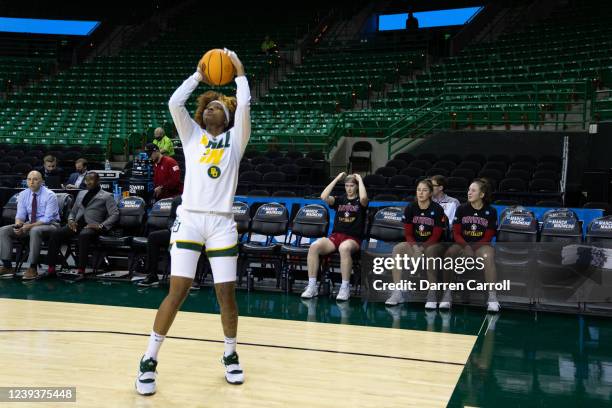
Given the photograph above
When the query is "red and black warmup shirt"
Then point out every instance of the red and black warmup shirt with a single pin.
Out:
(350, 216)
(424, 226)
(472, 225)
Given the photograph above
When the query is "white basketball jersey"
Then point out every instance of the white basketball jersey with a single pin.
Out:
(211, 163)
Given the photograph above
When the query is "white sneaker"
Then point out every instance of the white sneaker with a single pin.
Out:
(493, 307)
(431, 305)
(310, 291)
(447, 300)
(344, 293)
(145, 381)
(233, 371)
(395, 299)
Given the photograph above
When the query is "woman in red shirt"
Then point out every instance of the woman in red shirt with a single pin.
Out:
(346, 236)
(474, 227)
(424, 223)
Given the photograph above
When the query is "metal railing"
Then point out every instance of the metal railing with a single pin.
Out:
(601, 108)
(419, 123)
(531, 105)
(539, 106)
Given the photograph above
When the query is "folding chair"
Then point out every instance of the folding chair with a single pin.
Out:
(311, 221)
(132, 211)
(270, 221)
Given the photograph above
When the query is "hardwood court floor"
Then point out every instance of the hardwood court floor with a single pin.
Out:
(287, 363)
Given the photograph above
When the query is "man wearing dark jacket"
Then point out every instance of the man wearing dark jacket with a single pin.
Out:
(77, 179)
(51, 172)
(93, 213)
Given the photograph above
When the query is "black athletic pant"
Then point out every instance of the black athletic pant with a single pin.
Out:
(63, 235)
(156, 241)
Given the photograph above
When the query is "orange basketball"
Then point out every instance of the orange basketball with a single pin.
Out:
(217, 67)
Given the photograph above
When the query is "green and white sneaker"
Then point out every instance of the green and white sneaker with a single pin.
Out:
(233, 371)
(145, 381)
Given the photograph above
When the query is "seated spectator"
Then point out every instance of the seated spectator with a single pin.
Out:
(474, 227)
(424, 222)
(37, 216)
(166, 147)
(449, 204)
(94, 212)
(166, 174)
(346, 236)
(268, 46)
(157, 240)
(50, 172)
(77, 179)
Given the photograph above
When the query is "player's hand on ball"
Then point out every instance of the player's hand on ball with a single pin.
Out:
(202, 76)
(235, 61)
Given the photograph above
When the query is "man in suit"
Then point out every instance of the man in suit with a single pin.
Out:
(77, 179)
(37, 216)
(51, 173)
(93, 213)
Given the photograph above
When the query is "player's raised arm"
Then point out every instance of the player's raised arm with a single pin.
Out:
(325, 195)
(242, 117)
(185, 125)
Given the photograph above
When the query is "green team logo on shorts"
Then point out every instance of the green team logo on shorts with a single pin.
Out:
(214, 172)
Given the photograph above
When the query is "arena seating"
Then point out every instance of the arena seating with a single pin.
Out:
(524, 178)
(15, 71)
(115, 97)
(335, 81)
(502, 82)
(271, 173)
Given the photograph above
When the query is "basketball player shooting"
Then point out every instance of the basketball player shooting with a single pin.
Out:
(214, 141)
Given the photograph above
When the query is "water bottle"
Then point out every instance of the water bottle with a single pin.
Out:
(107, 165)
(116, 192)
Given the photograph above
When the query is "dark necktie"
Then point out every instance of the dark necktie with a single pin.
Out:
(34, 208)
